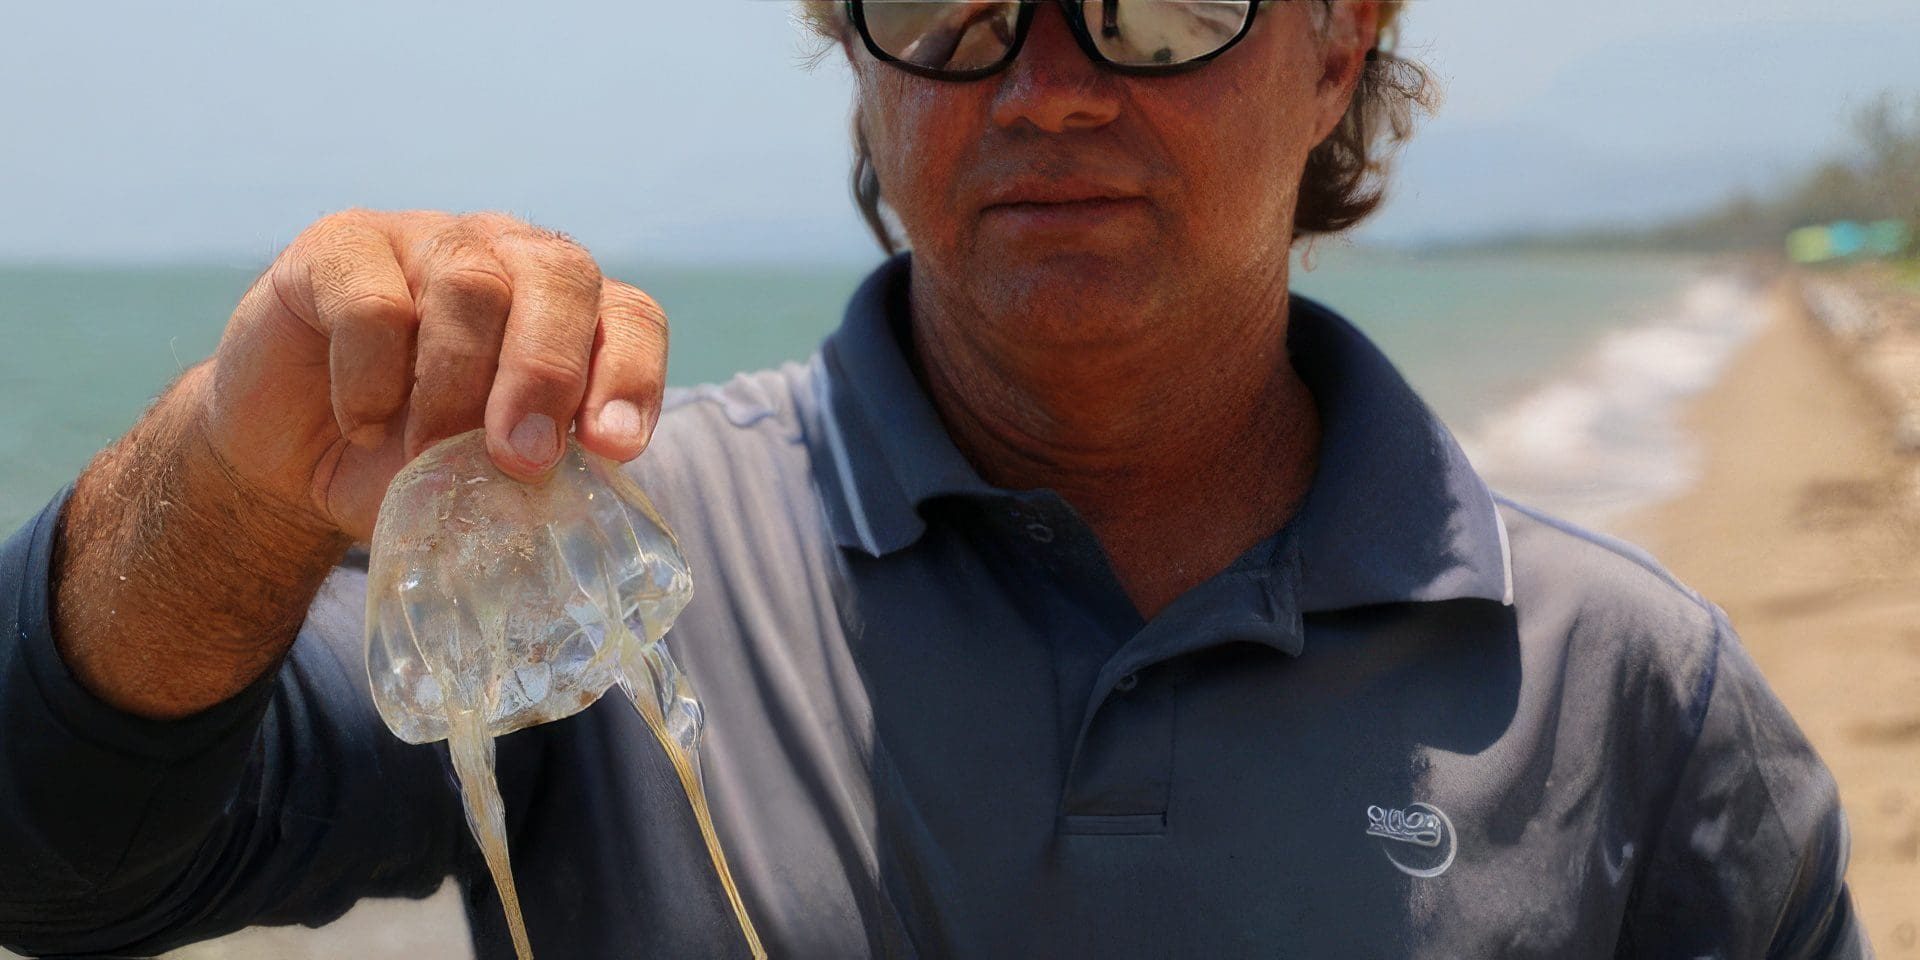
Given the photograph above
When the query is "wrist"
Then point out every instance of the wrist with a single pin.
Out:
(175, 582)
(277, 511)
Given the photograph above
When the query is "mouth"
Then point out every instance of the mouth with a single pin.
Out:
(1062, 215)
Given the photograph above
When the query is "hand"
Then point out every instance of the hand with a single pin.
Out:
(374, 335)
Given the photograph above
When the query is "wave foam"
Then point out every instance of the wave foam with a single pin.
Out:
(1606, 436)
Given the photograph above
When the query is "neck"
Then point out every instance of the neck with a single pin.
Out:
(1200, 416)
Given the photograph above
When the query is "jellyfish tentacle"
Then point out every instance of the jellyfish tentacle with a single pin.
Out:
(646, 663)
(473, 762)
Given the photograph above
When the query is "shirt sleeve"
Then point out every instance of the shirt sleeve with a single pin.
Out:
(1751, 861)
(286, 804)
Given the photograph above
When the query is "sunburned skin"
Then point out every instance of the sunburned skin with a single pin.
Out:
(494, 605)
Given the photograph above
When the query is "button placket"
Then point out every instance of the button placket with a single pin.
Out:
(1120, 778)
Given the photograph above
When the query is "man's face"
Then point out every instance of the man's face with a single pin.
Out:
(1073, 200)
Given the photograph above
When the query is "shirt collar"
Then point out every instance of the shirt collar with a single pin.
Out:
(1395, 512)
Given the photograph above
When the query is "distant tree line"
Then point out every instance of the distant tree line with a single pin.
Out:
(1876, 176)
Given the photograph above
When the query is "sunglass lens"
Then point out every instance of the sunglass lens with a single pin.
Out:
(1142, 33)
(951, 36)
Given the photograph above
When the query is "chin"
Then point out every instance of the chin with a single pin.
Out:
(1076, 300)
(1032, 270)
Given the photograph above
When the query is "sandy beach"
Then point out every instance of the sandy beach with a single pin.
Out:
(1804, 524)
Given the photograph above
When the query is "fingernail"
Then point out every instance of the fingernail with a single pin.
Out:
(535, 439)
(620, 420)
(653, 420)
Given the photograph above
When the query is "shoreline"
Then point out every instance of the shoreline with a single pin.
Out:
(1599, 435)
(1803, 523)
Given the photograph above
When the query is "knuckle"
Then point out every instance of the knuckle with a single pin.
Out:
(450, 243)
(452, 374)
(371, 404)
(343, 253)
(459, 238)
(472, 291)
(379, 308)
(341, 272)
(331, 227)
(636, 335)
(290, 282)
(576, 275)
(556, 257)
(567, 266)
(449, 353)
(633, 335)
(631, 302)
(490, 223)
(577, 261)
(547, 372)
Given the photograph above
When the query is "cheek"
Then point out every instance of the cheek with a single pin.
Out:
(919, 133)
(1238, 132)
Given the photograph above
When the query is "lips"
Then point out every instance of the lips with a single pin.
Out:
(1038, 193)
(1064, 222)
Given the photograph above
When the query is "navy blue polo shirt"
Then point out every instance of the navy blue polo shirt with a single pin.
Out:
(1416, 721)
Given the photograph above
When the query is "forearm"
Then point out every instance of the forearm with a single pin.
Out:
(175, 585)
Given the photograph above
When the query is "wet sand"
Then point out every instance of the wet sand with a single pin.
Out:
(430, 929)
(1804, 524)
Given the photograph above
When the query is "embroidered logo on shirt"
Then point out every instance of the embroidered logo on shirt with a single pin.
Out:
(1421, 841)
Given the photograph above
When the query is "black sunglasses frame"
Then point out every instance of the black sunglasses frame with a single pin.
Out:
(1076, 22)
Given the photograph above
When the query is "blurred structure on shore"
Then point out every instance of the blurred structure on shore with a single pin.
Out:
(1849, 240)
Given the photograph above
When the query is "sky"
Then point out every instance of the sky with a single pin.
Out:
(691, 132)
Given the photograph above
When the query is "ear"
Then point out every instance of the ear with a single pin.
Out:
(1353, 27)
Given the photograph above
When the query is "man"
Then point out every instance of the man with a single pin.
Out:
(1086, 595)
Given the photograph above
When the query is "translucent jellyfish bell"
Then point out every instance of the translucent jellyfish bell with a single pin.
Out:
(521, 603)
(494, 605)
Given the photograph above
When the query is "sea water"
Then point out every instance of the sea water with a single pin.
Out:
(1480, 335)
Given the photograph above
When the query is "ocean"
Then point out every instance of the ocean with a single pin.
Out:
(90, 347)
(1564, 375)
(1560, 372)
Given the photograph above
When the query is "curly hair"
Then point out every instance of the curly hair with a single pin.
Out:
(1346, 174)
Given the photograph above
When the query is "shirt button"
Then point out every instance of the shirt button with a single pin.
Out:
(1127, 683)
(1040, 532)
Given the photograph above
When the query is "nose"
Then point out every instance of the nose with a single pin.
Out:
(1053, 84)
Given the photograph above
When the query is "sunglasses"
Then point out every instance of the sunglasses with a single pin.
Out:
(972, 39)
